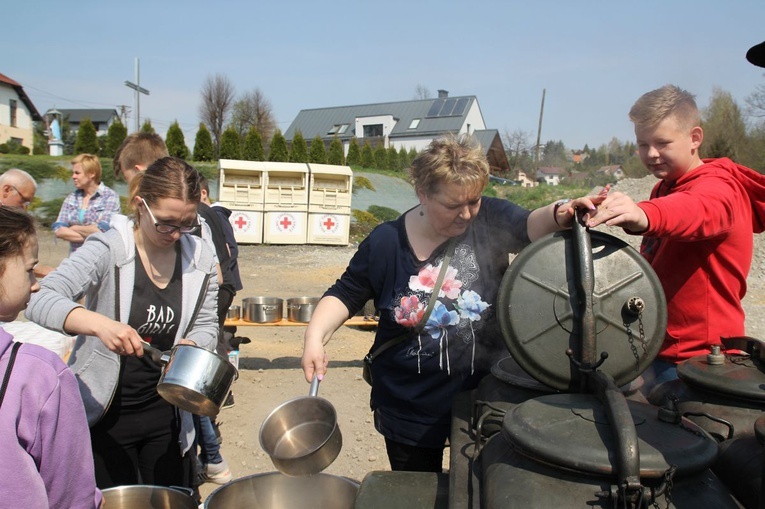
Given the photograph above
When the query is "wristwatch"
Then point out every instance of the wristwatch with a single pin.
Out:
(556, 206)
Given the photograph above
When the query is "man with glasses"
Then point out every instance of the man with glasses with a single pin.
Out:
(17, 188)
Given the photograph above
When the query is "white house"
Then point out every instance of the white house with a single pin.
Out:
(101, 118)
(408, 124)
(614, 170)
(551, 175)
(17, 113)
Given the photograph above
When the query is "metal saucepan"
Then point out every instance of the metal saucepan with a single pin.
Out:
(301, 436)
(193, 379)
(300, 309)
(234, 313)
(273, 490)
(263, 309)
(148, 497)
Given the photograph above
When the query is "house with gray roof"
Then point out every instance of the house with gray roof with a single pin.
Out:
(101, 118)
(408, 124)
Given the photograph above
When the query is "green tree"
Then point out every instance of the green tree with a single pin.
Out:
(403, 158)
(393, 163)
(299, 152)
(335, 155)
(87, 141)
(147, 127)
(367, 158)
(114, 137)
(724, 127)
(381, 157)
(412, 156)
(317, 153)
(203, 145)
(230, 146)
(278, 150)
(253, 146)
(176, 142)
(354, 153)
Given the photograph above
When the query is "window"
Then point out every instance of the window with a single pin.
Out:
(14, 107)
(372, 130)
(338, 129)
(414, 124)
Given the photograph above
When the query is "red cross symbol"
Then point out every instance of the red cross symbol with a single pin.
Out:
(328, 224)
(240, 222)
(285, 222)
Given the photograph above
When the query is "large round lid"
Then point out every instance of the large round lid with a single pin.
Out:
(573, 431)
(539, 313)
(738, 376)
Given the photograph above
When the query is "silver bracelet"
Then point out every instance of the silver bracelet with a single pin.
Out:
(557, 206)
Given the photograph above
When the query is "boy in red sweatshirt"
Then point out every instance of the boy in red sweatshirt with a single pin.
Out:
(697, 227)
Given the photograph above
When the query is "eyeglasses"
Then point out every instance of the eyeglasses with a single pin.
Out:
(167, 229)
(26, 201)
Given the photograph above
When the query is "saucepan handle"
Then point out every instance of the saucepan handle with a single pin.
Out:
(155, 354)
(314, 389)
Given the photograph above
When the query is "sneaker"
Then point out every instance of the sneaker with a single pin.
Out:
(229, 401)
(217, 473)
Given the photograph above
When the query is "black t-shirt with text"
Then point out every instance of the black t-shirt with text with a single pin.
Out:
(155, 315)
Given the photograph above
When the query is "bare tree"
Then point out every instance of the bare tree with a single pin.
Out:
(756, 102)
(217, 99)
(518, 148)
(253, 109)
(422, 92)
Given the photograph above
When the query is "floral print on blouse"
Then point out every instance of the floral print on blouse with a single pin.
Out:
(456, 309)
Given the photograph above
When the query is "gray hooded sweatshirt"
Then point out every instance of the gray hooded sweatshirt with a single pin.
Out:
(102, 267)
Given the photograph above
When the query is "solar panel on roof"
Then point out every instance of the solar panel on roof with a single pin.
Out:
(435, 107)
(447, 108)
(460, 106)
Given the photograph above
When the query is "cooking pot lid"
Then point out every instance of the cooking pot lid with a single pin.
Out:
(538, 321)
(739, 376)
(508, 371)
(573, 431)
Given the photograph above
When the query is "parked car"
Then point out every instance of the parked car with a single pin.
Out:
(503, 182)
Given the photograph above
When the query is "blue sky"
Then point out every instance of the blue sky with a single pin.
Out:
(593, 58)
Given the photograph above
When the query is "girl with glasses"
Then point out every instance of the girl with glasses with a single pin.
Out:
(144, 279)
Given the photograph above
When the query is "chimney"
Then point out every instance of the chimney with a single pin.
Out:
(443, 93)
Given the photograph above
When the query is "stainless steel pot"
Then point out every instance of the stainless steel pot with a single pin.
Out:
(274, 490)
(234, 313)
(302, 436)
(148, 497)
(193, 379)
(263, 309)
(300, 309)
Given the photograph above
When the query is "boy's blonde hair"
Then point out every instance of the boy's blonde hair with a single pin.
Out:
(664, 102)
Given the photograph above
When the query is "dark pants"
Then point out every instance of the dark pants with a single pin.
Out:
(140, 446)
(411, 458)
(225, 298)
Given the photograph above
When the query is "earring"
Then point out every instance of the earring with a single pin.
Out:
(422, 213)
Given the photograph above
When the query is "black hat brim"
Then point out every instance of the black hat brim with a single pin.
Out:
(756, 55)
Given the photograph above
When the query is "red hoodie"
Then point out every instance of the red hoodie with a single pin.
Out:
(699, 242)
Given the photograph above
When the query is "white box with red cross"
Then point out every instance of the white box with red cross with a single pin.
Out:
(329, 204)
(241, 189)
(285, 208)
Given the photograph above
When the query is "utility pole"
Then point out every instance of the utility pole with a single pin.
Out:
(539, 132)
(138, 91)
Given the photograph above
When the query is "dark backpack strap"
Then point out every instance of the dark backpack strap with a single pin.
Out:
(7, 377)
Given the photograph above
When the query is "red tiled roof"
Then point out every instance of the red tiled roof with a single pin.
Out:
(22, 95)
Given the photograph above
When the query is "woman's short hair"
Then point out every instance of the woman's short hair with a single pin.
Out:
(452, 159)
(91, 165)
(169, 177)
(16, 229)
(654, 106)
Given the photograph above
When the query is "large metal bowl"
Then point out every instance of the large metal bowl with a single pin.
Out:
(300, 309)
(147, 497)
(274, 490)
